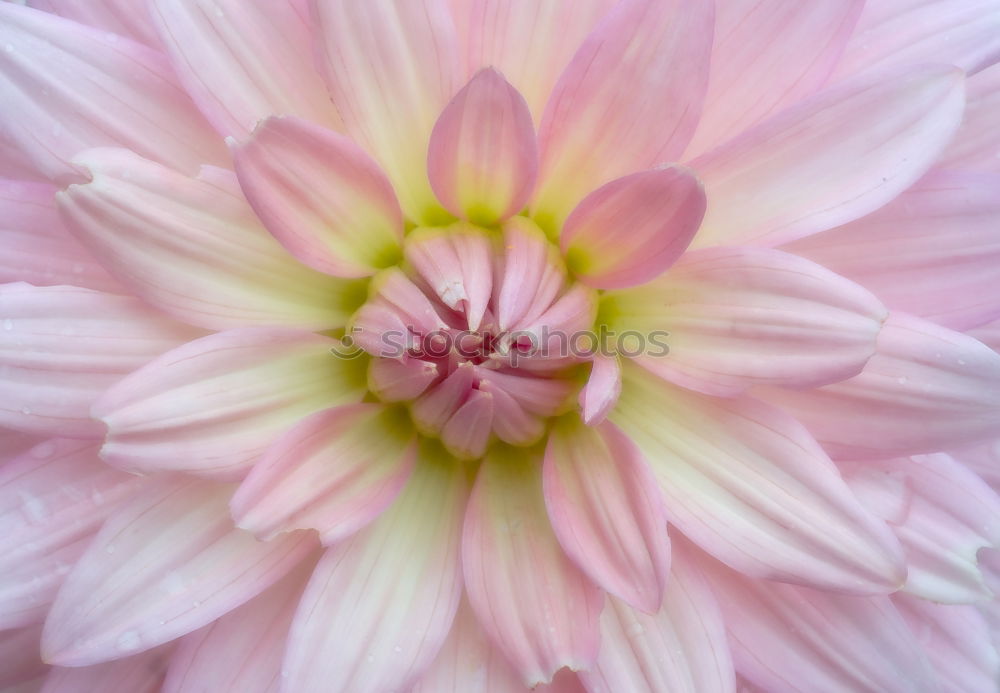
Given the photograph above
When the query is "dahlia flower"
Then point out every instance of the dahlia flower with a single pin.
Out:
(493, 345)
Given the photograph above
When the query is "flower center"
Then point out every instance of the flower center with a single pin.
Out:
(477, 331)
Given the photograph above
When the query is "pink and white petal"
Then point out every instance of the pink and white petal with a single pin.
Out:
(122, 17)
(511, 420)
(394, 380)
(334, 472)
(934, 251)
(926, 389)
(214, 405)
(681, 648)
(468, 431)
(21, 668)
(242, 651)
(831, 158)
(632, 229)
(468, 663)
(55, 77)
(530, 276)
(193, 247)
(788, 639)
(735, 317)
(380, 604)
(504, 34)
(976, 145)
(141, 673)
(957, 642)
(321, 196)
(599, 396)
(943, 515)
(747, 483)
(244, 61)
(769, 54)
(535, 604)
(628, 100)
(14, 164)
(53, 498)
(391, 66)
(896, 33)
(166, 563)
(37, 247)
(482, 159)
(984, 460)
(61, 347)
(607, 512)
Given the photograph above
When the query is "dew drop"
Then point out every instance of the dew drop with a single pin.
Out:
(8, 324)
(43, 451)
(397, 648)
(110, 548)
(902, 380)
(26, 411)
(128, 641)
(34, 507)
(9, 48)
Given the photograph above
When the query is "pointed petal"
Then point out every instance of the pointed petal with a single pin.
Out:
(744, 316)
(932, 252)
(242, 62)
(542, 396)
(193, 247)
(55, 78)
(911, 32)
(926, 389)
(166, 563)
(335, 472)
(943, 515)
(394, 587)
(212, 406)
(141, 673)
(242, 651)
(61, 347)
(768, 54)
(790, 639)
(120, 17)
(606, 511)
(400, 380)
(532, 274)
(748, 484)
(831, 158)
(681, 648)
(511, 421)
(632, 229)
(37, 247)
(391, 67)
(534, 603)
(483, 158)
(321, 196)
(467, 432)
(434, 408)
(599, 396)
(976, 145)
(645, 64)
(52, 500)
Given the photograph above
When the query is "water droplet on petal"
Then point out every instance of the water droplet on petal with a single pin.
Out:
(128, 641)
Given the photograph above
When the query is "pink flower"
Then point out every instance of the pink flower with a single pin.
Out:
(487, 345)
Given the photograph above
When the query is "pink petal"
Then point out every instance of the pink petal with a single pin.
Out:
(911, 32)
(606, 511)
(52, 500)
(242, 651)
(748, 484)
(976, 145)
(380, 604)
(165, 564)
(214, 405)
(141, 673)
(533, 602)
(335, 472)
(19, 660)
(769, 54)
(926, 389)
(15, 442)
(468, 663)
(483, 158)
(504, 34)
(193, 247)
(724, 319)
(121, 17)
(391, 67)
(531, 277)
(322, 196)
(633, 228)
(512, 422)
(943, 515)
(628, 100)
(957, 642)
(467, 432)
(599, 396)
(932, 251)
(37, 247)
(789, 639)
(681, 648)
(55, 78)
(61, 347)
(536, 395)
(242, 62)
(829, 159)
(400, 381)
(433, 409)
